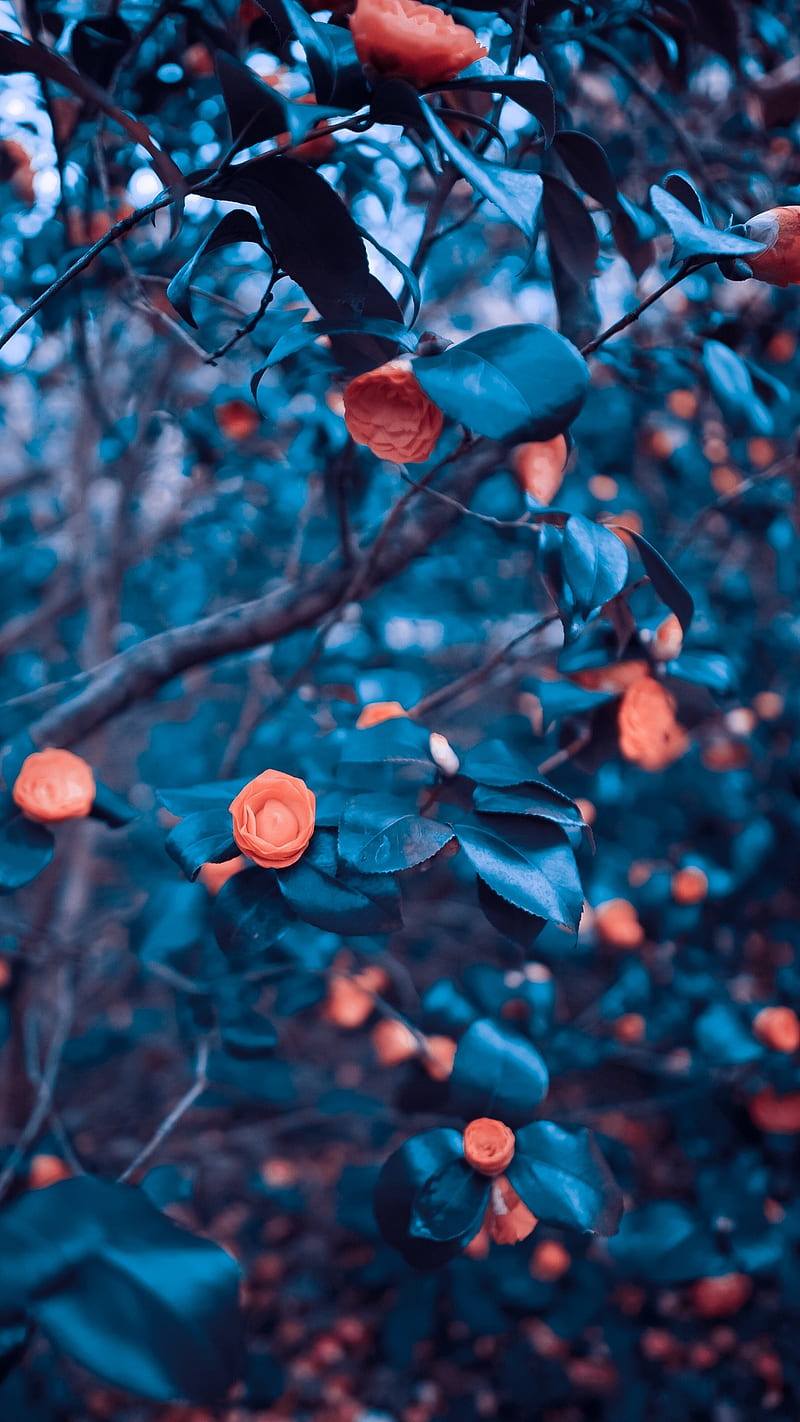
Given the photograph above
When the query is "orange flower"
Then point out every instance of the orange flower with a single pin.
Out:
(439, 1057)
(507, 1219)
(406, 40)
(618, 924)
(393, 1042)
(377, 711)
(720, 1295)
(54, 785)
(689, 885)
(213, 876)
(273, 819)
(780, 228)
(549, 1261)
(47, 1170)
(649, 733)
(778, 1028)
(350, 999)
(777, 1114)
(539, 467)
(488, 1146)
(387, 410)
(667, 640)
(237, 419)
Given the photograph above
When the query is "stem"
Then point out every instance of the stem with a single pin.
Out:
(169, 1122)
(683, 270)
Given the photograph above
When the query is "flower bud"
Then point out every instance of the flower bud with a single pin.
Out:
(779, 229)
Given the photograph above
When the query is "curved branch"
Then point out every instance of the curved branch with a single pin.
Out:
(137, 672)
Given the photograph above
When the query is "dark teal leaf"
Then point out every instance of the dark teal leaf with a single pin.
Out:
(524, 381)
(494, 762)
(26, 848)
(570, 229)
(732, 386)
(336, 73)
(380, 834)
(248, 1035)
(123, 1290)
(679, 186)
(233, 228)
(249, 917)
(335, 898)
(255, 111)
(515, 191)
(497, 1073)
(691, 237)
(588, 164)
(595, 563)
(205, 837)
(216, 795)
(521, 927)
(531, 94)
(562, 1176)
(535, 798)
(111, 808)
(536, 871)
(450, 1205)
(397, 1188)
(665, 582)
(307, 332)
(665, 1243)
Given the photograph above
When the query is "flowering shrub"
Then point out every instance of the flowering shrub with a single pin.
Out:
(398, 486)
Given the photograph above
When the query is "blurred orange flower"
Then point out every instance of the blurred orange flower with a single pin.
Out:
(649, 732)
(407, 40)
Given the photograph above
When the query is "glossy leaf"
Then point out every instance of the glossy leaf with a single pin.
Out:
(666, 1243)
(336, 72)
(249, 916)
(308, 332)
(531, 94)
(521, 927)
(665, 582)
(380, 834)
(516, 192)
(732, 386)
(205, 837)
(233, 228)
(535, 871)
(123, 1290)
(450, 1205)
(416, 1162)
(595, 563)
(562, 1176)
(497, 1073)
(535, 798)
(691, 237)
(322, 892)
(588, 165)
(512, 381)
(255, 111)
(570, 229)
(26, 848)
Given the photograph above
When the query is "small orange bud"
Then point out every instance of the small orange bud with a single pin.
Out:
(438, 1059)
(393, 1042)
(778, 1028)
(377, 711)
(720, 1295)
(668, 639)
(539, 468)
(689, 885)
(478, 1248)
(5, 974)
(616, 677)
(237, 419)
(47, 1170)
(350, 999)
(550, 1261)
(507, 1218)
(630, 1028)
(618, 924)
(488, 1146)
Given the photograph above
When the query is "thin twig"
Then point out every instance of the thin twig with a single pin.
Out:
(631, 316)
(170, 1121)
(478, 674)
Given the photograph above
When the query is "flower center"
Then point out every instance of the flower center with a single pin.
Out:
(275, 822)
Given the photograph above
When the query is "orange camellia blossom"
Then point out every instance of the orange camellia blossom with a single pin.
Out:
(615, 676)
(273, 819)
(388, 411)
(350, 1000)
(393, 1042)
(539, 467)
(488, 1146)
(54, 785)
(778, 1028)
(213, 876)
(377, 711)
(649, 733)
(618, 924)
(689, 885)
(779, 228)
(720, 1295)
(779, 1115)
(405, 40)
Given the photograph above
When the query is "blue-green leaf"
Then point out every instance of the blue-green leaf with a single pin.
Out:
(528, 863)
(691, 237)
(205, 837)
(524, 381)
(406, 1171)
(497, 1073)
(563, 1178)
(450, 1205)
(595, 563)
(26, 848)
(381, 834)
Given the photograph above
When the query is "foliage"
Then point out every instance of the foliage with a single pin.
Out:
(506, 897)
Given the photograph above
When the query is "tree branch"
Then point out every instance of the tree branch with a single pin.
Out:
(136, 673)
